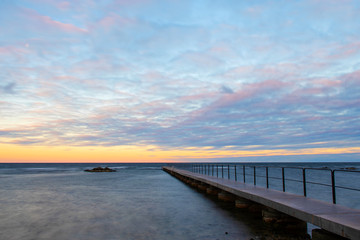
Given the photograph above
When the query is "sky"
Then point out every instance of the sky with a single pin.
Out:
(179, 80)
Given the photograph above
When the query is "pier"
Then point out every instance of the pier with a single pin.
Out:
(334, 221)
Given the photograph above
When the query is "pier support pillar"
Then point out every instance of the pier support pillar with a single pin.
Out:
(202, 187)
(226, 197)
(321, 234)
(242, 203)
(194, 184)
(281, 220)
(255, 208)
(212, 191)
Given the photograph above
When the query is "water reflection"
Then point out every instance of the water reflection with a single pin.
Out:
(129, 204)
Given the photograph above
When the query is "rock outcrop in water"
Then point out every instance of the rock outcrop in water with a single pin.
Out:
(100, 169)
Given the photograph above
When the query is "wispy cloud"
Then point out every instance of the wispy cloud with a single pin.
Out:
(9, 88)
(180, 74)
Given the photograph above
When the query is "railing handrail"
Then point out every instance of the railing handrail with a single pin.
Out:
(208, 169)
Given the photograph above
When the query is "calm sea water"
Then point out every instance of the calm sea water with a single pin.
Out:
(139, 201)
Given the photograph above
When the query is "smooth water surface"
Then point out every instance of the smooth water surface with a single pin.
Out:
(139, 201)
(63, 202)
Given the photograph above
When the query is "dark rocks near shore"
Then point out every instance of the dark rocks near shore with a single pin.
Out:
(350, 168)
(100, 169)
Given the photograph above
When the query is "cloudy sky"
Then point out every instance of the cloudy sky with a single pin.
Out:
(179, 80)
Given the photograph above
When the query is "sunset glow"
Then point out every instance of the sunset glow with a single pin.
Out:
(148, 153)
(179, 81)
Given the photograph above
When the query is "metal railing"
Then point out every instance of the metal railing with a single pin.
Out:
(253, 174)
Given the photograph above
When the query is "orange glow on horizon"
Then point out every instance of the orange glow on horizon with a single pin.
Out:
(47, 154)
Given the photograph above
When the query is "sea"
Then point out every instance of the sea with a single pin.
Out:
(61, 201)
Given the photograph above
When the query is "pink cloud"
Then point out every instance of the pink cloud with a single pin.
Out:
(308, 91)
(223, 50)
(331, 2)
(116, 20)
(220, 49)
(46, 22)
(325, 82)
(10, 50)
(64, 5)
(347, 50)
(63, 26)
(351, 79)
(198, 97)
(254, 11)
(326, 92)
(331, 6)
(248, 91)
(199, 59)
(274, 71)
(130, 2)
(101, 65)
(334, 51)
(239, 71)
(15, 53)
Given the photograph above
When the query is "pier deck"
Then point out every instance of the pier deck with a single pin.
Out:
(334, 218)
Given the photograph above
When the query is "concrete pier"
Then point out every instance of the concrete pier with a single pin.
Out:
(334, 220)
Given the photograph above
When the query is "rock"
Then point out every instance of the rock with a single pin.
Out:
(350, 168)
(100, 169)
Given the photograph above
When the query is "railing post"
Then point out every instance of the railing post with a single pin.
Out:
(283, 178)
(333, 186)
(267, 177)
(228, 171)
(222, 171)
(254, 175)
(212, 173)
(304, 181)
(235, 173)
(217, 170)
(244, 173)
